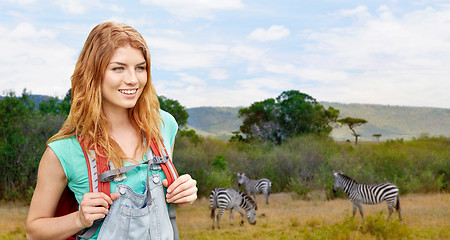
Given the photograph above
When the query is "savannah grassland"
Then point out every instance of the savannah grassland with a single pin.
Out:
(303, 205)
(425, 216)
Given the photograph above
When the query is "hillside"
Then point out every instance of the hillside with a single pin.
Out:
(391, 121)
(214, 121)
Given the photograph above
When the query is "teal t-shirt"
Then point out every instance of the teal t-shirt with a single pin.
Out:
(72, 159)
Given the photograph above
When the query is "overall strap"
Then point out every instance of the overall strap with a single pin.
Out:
(171, 175)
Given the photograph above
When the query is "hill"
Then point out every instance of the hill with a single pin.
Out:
(392, 122)
(214, 121)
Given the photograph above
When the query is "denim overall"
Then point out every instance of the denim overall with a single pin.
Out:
(139, 216)
(135, 216)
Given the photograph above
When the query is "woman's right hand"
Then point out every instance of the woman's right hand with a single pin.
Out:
(93, 206)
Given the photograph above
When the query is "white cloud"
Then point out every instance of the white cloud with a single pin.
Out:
(275, 32)
(174, 54)
(77, 7)
(191, 80)
(360, 11)
(27, 31)
(116, 8)
(23, 2)
(33, 59)
(218, 74)
(196, 8)
(386, 58)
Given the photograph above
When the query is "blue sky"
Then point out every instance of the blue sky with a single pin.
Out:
(236, 52)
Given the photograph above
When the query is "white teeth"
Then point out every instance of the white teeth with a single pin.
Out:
(130, 91)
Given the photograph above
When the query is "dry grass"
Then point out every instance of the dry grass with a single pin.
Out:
(425, 217)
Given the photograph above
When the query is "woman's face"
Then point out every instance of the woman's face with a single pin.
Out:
(124, 79)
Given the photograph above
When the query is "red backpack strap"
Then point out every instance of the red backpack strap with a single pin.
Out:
(95, 168)
(167, 165)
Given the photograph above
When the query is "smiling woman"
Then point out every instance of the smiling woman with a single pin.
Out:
(114, 126)
(124, 79)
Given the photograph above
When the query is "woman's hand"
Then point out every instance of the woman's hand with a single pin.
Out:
(93, 206)
(183, 191)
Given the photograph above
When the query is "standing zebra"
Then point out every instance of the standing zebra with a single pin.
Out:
(368, 194)
(262, 185)
(224, 199)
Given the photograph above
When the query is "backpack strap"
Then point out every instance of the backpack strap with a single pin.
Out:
(165, 162)
(96, 167)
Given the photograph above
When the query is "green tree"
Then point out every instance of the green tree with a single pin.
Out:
(55, 106)
(176, 109)
(15, 123)
(352, 123)
(292, 113)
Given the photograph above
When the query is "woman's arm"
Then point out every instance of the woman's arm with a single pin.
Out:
(51, 182)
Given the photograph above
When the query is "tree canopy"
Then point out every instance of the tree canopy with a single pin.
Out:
(352, 123)
(291, 113)
(176, 109)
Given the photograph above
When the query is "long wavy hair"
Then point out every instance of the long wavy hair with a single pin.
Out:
(86, 118)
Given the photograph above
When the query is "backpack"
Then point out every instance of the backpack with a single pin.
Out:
(97, 169)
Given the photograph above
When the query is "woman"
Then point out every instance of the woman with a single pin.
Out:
(115, 107)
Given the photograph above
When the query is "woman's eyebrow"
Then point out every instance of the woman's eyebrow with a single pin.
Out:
(120, 63)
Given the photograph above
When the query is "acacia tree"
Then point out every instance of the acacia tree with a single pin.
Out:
(377, 136)
(291, 113)
(352, 123)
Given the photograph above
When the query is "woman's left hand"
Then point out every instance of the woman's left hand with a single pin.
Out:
(183, 191)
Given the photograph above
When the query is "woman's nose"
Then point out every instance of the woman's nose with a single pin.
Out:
(131, 79)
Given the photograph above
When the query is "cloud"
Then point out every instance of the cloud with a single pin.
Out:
(23, 2)
(186, 10)
(385, 58)
(78, 7)
(218, 74)
(173, 54)
(275, 32)
(360, 11)
(191, 80)
(34, 59)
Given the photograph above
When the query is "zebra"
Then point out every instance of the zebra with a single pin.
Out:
(262, 185)
(368, 194)
(224, 199)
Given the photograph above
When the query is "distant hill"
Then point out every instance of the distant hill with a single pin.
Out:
(214, 121)
(392, 122)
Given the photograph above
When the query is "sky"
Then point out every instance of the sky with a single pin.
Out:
(236, 52)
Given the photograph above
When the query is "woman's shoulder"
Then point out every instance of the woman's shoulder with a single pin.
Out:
(166, 116)
(168, 120)
(65, 143)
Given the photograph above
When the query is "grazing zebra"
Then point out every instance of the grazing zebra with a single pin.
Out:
(262, 185)
(368, 194)
(224, 199)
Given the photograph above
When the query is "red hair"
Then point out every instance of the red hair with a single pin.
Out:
(86, 117)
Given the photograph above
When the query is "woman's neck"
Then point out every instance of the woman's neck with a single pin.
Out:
(123, 132)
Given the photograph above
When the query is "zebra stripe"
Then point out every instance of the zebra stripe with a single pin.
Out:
(229, 199)
(368, 194)
(253, 187)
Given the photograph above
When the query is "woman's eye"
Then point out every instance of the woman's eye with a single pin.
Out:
(117, 69)
(140, 68)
